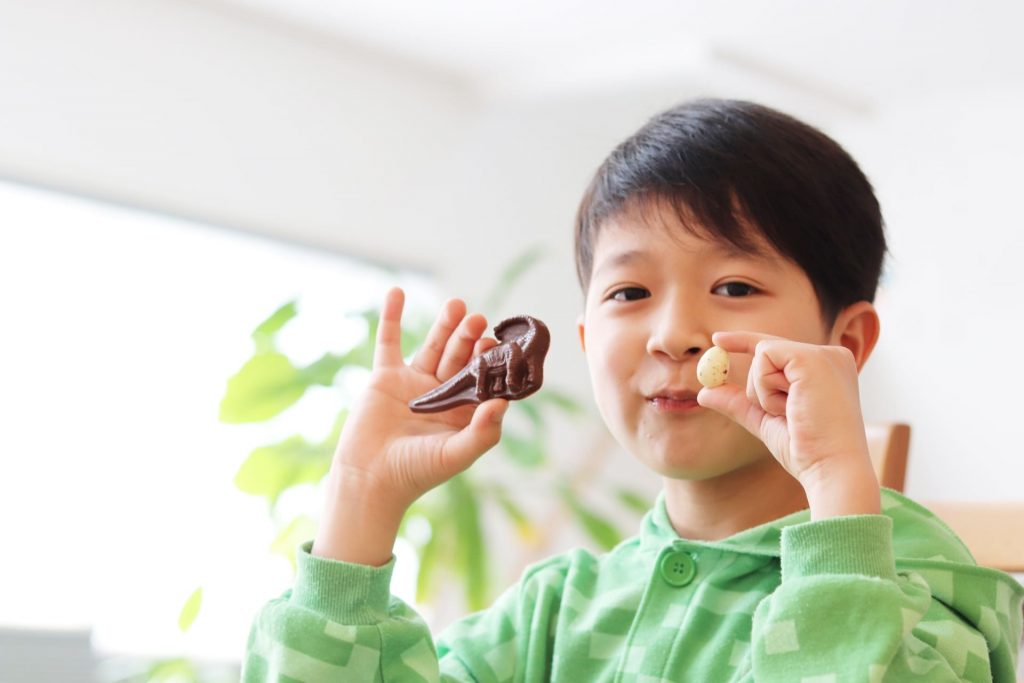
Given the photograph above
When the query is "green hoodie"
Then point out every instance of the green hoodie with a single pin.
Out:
(889, 597)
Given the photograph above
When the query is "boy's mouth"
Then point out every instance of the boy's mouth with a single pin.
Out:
(675, 400)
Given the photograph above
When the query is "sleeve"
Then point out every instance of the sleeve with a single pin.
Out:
(843, 613)
(340, 624)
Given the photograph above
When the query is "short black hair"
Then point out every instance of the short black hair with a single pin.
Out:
(725, 164)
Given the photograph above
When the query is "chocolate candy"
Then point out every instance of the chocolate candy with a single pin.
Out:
(513, 369)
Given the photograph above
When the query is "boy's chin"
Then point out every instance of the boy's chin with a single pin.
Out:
(703, 466)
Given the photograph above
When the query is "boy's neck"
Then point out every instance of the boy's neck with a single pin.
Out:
(713, 509)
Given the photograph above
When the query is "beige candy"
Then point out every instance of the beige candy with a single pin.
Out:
(713, 367)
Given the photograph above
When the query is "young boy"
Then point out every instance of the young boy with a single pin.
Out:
(771, 553)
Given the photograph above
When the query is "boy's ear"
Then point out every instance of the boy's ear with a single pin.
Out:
(580, 330)
(857, 328)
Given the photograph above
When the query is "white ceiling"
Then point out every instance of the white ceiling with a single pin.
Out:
(855, 54)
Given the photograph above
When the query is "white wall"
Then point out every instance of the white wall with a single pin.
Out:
(947, 171)
(177, 106)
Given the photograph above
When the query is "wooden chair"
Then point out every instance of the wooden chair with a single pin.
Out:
(994, 531)
(889, 443)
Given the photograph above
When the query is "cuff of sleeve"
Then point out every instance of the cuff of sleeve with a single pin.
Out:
(344, 592)
(854, 544)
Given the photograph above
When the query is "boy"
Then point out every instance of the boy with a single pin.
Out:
(771, 553)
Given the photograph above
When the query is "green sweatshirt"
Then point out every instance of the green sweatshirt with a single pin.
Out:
(889, 597)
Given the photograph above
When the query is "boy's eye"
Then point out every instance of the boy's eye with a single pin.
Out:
(735, 289)
(636, 292)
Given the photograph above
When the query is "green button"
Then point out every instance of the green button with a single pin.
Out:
(678, 568)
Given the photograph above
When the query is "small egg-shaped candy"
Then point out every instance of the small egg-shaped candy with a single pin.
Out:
(713, 367)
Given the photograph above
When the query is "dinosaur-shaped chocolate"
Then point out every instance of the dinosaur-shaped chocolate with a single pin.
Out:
(513, 369)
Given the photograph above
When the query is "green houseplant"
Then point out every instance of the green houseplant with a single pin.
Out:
(447, 527)
(449, 535)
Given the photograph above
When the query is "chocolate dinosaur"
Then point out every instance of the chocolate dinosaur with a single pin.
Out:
(513, 369)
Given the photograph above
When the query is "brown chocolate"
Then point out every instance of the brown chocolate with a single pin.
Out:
(513, 369)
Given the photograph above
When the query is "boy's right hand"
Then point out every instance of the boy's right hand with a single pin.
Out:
(387, 455)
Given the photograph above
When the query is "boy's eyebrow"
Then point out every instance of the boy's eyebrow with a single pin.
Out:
(622, 258)
(726, 250)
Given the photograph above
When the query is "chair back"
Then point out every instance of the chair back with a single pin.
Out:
(993, 531)
(888, 444)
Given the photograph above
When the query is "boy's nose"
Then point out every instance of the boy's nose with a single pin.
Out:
(678, 345)
(679, 329)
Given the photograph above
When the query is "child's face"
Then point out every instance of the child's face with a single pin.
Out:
(649, 318)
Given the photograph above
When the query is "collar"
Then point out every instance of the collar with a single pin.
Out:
(656, 532)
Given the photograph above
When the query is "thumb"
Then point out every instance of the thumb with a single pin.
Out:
(731, 400)
(480, 435)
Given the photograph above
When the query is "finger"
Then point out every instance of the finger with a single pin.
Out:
(730, 400)
(428, 356)
(737, 341)
(479, 436)
(482, 344)
(387, 350)
(459, 349)
(769, 385)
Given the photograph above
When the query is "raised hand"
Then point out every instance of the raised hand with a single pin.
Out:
(802, 400)
(387, 455)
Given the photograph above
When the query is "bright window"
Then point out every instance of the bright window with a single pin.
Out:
(120, 328)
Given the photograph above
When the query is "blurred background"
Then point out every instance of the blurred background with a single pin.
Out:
(172, 172)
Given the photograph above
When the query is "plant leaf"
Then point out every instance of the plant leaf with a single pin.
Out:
(429, 556)
(522, 263)
(362, 353)
(597, 527)
(633, 500)
(533, 413)
(299, 530)
(178, 670)
(323, 370)
(265, 386)
(525, 452)
(265, 332)
(470, 550)
(524, 527)
(190, 610)
(564, 402)
(270, 470)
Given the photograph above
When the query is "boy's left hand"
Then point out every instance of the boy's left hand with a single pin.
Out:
(802, 400)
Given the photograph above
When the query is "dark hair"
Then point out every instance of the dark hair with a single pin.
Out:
(724, 164)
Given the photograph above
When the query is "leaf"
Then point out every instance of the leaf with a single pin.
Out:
(513, 272)
(560, 400)
(299, 530)
(323, 370)
(633, 500)
(429, 556)
(266, 385)
(533, 413)
(179, 670)
(525, 452)
(597, 527)
(270, 470)
(362, 353)
(524, 527)
(264, 333)
(470, 548)
(190, 610)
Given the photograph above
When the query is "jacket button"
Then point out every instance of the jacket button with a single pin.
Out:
(678, 568)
